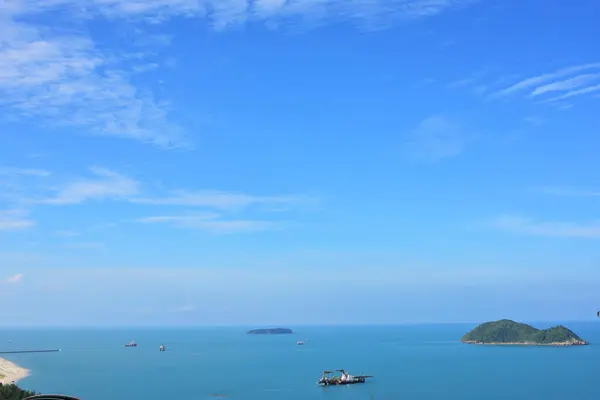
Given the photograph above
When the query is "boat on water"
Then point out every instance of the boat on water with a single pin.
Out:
(328, 378)
(161, 348)
(131, 344)
(301, 342)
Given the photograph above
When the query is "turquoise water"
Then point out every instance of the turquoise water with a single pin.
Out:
(408, 362)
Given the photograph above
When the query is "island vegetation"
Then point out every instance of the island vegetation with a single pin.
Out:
(13, 392)
(508, 332)
(270, 331)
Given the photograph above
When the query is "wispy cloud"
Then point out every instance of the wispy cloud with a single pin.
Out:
(13, 279)
(573, 93)
(435, 138)
(567, 81)
(14, 182)
(105, 184)
(224, 13)
(542, 79)
(83, 245)
(564, 83)
(64, 79)
(473, 82)
(534, 120)
(569, 191)
(61, 77)
(211, 210)
(210, 223)
(223, 200)
(14, 220)
(461, 83)
(24, 171)
(527, 226)
(567, 84)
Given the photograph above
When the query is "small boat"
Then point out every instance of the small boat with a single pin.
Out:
(328, 379)
(131, 344)
(161, 348)
(299, 342)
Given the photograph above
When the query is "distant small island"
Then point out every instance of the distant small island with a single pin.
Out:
(271, 331)
(507, 332)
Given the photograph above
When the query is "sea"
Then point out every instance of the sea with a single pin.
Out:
(424, 362)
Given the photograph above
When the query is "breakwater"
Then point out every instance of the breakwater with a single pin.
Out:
(30, 351)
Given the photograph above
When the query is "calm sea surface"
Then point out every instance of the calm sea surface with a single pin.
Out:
(408, 362)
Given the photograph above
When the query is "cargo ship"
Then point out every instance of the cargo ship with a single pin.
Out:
(328, 379)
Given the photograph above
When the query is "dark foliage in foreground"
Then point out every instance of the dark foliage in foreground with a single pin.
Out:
(13, 392)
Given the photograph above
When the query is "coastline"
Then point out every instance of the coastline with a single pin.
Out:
(11, 372)
(571, 343)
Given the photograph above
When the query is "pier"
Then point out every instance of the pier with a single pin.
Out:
(29, 351)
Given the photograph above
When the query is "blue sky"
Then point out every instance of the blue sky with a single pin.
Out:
(246, 161)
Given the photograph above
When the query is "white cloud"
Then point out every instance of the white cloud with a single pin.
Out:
(529, 226)
(66, 80)
(111, 185)
(224, 13)
(578, 92)
(62, 78)
(266, 8)
(24, 171)
(436, 138)
(542, 79)
(570, 191)
(564, 83)
(567, 84)
(16, 182)
(105, 185)
(14, 220)
(222, 200)
(16, 278)
(211, 223)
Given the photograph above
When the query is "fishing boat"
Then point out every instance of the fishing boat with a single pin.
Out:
(131, 344)
(328, 378)
(161, 348)
(299, 342)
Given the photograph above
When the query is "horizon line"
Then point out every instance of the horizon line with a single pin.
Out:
(272, 326)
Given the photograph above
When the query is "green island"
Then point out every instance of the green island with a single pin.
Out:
(13, 392)
(508, 332)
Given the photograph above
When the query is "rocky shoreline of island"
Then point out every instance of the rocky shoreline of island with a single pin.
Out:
(569, 343)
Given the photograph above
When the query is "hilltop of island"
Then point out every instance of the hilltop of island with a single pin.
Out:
(508, 332)
(270, 331)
